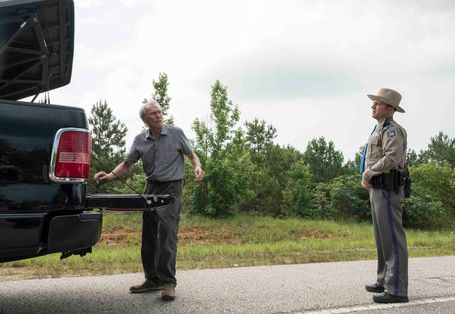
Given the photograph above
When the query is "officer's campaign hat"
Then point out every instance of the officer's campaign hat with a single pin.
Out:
(388, 96)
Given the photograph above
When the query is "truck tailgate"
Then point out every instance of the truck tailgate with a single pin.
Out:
(128, 202)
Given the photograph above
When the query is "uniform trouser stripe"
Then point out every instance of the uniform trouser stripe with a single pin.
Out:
(390, 239)
(394, 243)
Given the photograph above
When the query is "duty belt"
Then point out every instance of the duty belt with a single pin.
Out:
(389, 181)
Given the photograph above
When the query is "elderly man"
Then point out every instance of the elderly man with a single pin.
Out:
(381, 167)
(161, 148)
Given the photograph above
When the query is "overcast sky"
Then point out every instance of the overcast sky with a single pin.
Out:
(303, 66)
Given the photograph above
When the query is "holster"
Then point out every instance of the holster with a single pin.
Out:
(389, 181)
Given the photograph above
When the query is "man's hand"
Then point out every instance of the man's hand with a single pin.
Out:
(102, 177)
(198, 174)
(366, 184)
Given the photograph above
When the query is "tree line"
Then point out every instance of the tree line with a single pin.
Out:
(247, 172)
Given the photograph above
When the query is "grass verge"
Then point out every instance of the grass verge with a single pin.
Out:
(240, 241)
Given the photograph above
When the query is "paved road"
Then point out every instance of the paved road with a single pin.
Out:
(306, 288)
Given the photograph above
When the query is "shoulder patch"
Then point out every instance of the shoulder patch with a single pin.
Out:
(391, 133)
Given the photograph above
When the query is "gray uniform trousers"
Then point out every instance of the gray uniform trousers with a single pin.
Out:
(159, 233)
(390, 238)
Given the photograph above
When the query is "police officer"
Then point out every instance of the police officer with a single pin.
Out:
(381, 165)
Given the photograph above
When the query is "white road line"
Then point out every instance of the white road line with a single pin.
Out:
(369, 307)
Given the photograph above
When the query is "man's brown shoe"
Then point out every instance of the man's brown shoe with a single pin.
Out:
(148, 285)
(168, 292)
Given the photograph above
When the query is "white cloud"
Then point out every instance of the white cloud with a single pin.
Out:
(88, 3)
(303, 66)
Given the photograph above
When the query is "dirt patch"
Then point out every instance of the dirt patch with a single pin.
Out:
(118, 236)
(200, 235)
(187, 235)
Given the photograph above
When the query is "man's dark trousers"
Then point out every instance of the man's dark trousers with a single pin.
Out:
(159, 233)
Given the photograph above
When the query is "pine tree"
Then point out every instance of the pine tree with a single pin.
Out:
(108, 139)
(108, 133)
(325, 161)
(161, 96)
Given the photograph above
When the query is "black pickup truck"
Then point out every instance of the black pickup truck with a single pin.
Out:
(45, 150)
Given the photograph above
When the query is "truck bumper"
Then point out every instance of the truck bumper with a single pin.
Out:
(31, 235)
(74, 232)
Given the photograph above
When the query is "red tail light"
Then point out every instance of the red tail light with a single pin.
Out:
(71, 156)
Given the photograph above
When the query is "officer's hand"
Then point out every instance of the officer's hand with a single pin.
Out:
(366, 184)
(198, 174)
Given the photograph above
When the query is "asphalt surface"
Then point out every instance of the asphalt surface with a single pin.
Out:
(305, 288)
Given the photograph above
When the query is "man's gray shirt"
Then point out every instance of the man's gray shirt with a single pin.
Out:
(162, 158)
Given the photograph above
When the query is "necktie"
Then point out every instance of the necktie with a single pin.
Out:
(364, 154)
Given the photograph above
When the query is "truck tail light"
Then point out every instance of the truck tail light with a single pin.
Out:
(71, 155)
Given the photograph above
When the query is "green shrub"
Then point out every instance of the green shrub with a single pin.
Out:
(296, 195)
(348, 199)
(421, 210)
(438, 183)
(320, 202)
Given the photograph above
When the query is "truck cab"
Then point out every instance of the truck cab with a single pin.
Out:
(45, 149)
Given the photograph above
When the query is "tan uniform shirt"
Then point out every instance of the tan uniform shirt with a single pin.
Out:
(386, 149)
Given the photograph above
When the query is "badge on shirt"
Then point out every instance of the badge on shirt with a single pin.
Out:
(391, 133)
(373, 135)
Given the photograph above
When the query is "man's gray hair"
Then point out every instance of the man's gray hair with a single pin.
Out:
(152, 102)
